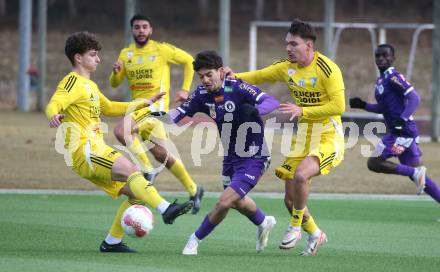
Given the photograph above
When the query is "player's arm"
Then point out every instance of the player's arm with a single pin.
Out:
(411, 98)
(59, 102)
(181, 57)
(118, 72)
(188, 108)
(357, 103)
(113, 108)
(270, 73)
(334, 85)
(264, 103)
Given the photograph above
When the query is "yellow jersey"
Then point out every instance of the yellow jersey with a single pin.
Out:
(82, 103)
(318, 88)
(147, 70)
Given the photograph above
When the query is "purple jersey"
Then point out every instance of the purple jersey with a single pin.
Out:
(390, 91)
(224, 107)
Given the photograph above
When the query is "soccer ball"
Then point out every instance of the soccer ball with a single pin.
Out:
(137, 221)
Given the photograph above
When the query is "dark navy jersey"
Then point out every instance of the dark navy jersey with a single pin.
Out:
(390, 91)
(225, 106)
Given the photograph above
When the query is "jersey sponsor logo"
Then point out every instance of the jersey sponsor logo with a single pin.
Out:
(152, 58)
(141, 74)
(228, 89)
(140, 60)
(247, 88)
(230, 106)
(306, 97)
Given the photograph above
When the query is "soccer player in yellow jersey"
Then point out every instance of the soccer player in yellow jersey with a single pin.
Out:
(75, 108)
(146, 65)
(317, 87)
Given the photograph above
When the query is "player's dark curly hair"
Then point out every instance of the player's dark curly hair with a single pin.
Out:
(302, 29)
(140, 17)
(386, 45)
(207, 59)
(80, 43)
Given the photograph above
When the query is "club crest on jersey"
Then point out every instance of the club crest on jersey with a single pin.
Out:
(129, 54)
(230, 106)
(380, 89)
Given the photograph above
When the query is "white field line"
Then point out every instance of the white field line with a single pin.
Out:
(217, 194)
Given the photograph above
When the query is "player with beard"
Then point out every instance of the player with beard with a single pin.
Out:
(146, 65)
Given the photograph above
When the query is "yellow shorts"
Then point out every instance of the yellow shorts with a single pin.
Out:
(148, 127)
(94, 162)
(324, 141)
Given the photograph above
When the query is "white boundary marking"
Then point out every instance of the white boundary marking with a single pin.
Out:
(217, 194)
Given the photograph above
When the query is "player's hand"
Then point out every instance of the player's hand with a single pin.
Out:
(291, 109)
(154, 98)
(357, 103)
(55, 121)
(181, 96)
(117, 66)
(398, 126)
(228, 72)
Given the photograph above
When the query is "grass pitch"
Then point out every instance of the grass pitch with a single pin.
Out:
(63, 232)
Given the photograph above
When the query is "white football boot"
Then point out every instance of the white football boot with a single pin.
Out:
(191, 246)
(313, 244)
(263, 233)
(290, 238)
(419, 179)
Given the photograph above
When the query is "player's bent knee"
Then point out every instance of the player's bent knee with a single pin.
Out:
(373, 164)
(300, 177)
(118, 131)
(222, 206)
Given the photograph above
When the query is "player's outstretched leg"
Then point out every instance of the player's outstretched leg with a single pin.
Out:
(432, 189)
(197, 198)
(175, 210)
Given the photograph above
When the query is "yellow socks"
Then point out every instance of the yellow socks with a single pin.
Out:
(116, 229)
(179, 171)
(297, 217)
(144, 191)
(137, 150)
(310, 226)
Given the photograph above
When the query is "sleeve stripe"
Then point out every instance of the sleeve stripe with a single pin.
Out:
(410, 89)
(70, 82)
(324, 66)
(181, 110)
(259, 96)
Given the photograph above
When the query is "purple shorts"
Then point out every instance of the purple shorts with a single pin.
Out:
(394, 146)
(243, 174)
